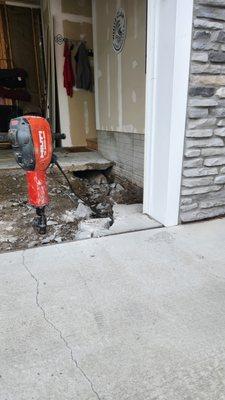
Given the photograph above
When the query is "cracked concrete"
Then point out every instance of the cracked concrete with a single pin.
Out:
(138, 316)
(52, 326)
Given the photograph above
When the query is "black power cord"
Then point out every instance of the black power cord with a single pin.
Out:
(55, 162)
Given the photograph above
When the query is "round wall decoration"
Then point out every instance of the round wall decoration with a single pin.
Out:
(119, 31)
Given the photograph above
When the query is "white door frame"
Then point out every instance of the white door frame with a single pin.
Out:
(169, 26)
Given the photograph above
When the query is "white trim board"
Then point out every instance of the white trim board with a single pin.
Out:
(64, 112)
(95, 45)
(168, 60)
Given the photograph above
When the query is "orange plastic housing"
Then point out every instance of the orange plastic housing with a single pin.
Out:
(43, 148)
(37, 188)
(42, 140)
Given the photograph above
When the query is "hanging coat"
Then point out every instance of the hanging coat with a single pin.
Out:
(68, 74)
(83, 69)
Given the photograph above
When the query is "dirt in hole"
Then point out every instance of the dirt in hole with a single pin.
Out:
(96, 193)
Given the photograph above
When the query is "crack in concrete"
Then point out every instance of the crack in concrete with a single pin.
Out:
(50, 323)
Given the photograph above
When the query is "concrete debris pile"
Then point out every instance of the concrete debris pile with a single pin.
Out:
(95, 227)
(70, 217)
(81, 212)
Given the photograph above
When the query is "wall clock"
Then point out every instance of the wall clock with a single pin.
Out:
(119, 31)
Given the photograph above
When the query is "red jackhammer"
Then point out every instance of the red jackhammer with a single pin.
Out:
(32, 142)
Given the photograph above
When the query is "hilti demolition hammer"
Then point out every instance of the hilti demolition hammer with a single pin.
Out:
(32, 142)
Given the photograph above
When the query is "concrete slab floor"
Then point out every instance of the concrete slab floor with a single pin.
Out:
(138, 316)
(130, 218)
(82, 161)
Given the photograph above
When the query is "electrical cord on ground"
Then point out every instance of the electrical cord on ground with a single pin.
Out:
(55, 161)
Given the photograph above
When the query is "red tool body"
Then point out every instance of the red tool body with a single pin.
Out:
(43, 149)
(32, 142)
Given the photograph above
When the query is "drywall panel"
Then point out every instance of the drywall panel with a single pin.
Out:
(77, 7)
(120, 78)
(78, 31)
(82, 104)
(133, 67)
(82, 117)
(107, 68)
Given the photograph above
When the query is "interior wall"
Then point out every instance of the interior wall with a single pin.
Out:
(120, 78)
(77, 7)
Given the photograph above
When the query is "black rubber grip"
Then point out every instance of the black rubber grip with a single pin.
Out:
(59, 136)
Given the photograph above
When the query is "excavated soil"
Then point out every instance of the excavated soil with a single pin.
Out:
(96, 193)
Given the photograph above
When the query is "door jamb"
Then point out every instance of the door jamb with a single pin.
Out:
(163, 166)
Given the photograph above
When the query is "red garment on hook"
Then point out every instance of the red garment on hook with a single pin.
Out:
(69, 79)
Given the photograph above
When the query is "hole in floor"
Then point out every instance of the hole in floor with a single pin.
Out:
(88, 214)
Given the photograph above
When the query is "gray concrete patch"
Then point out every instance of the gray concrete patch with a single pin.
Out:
(130, 218)
(90, 160)
(136, 316)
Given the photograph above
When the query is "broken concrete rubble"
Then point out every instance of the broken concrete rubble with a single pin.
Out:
(89, 214)
(126, 218)
(97, 178)
(81, 212)
(48, 239)
(93, 228)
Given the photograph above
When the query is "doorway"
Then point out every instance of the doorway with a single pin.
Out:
(109, 185)
(22, 70)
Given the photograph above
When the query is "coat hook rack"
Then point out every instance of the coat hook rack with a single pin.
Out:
(59, 39)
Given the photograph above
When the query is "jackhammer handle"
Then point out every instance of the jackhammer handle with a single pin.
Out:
(59, 136)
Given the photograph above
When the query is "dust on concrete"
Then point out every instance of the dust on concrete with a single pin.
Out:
(96, 193)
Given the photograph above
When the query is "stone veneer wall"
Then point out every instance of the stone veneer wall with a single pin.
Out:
(203, 181)
(127, 150)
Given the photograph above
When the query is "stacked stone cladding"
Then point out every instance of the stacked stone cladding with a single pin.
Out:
(203, 180)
